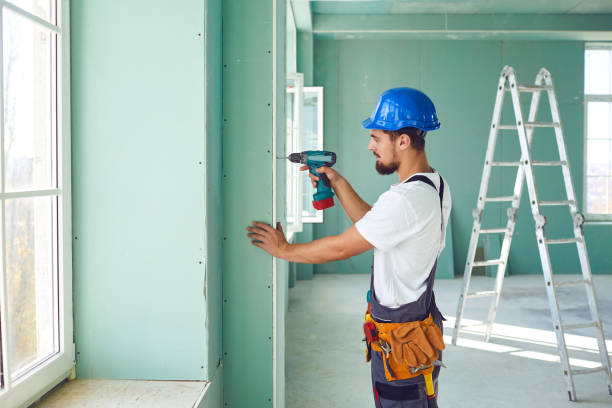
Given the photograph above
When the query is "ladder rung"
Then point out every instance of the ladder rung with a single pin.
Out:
(548, 163)
(563, 241)
(571, 283)
(579, 325)
(563, 202)
(507, 127)
(531, 88)
(507, 164)
(507, 198)
(465, 326)
(493, 230)
(588, 370)
(542, 124)
(488, 263)
(481, 294)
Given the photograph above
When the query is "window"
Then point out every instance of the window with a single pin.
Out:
(312, 139)
(36, 347)
(598, 121)
(294, 107)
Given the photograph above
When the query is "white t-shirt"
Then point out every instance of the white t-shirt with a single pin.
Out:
(404, 228)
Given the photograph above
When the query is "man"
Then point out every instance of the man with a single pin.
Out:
(406, 227)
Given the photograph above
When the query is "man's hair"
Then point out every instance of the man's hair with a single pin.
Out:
(417, 136)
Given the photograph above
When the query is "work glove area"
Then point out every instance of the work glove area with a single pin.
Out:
(416, 344)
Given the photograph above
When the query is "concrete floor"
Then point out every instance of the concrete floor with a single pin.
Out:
(519, 367)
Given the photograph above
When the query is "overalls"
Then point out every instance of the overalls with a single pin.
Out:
(407, 393)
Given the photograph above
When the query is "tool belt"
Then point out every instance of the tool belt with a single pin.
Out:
(407, 349)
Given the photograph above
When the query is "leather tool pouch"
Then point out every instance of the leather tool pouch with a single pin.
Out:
(396, 362)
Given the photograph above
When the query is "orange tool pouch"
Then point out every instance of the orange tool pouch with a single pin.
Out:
(408, 345)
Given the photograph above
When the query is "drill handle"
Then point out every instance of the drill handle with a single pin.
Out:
(324, 179)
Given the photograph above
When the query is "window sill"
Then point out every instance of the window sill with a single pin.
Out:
(79, 393)
(597, 222)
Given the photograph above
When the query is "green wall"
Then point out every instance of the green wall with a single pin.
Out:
(253, 91)
(461, 78)
(139, 189)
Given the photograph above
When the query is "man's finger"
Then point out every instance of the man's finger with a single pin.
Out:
(302, 168)
(263, 226)
(279, 227)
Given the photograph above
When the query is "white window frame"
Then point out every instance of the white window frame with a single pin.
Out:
(318, 90)
(592, 98)
(294, 224)
(31, 385)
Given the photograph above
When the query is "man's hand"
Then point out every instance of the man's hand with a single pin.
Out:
(332, 175)
(269, 239)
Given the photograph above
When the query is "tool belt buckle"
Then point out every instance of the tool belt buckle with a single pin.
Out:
(385, 347)
(438, 363)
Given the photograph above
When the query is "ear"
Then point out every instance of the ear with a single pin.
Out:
(404, 141)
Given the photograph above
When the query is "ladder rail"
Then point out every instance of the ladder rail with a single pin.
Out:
(511, 223)
(480, 203)
(540, 234)
(578, 232)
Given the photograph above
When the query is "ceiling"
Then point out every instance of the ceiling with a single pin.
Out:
(460, 6)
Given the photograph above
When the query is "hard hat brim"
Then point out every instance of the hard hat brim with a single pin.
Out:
(371, 124)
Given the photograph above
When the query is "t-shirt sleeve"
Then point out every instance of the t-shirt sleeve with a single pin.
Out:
(388, 221)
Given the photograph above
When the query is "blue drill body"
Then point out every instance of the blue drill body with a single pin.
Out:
(314, 159)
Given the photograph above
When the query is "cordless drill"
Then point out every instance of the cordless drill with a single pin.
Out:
(324, 197)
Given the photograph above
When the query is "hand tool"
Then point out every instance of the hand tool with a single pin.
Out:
(324, 197)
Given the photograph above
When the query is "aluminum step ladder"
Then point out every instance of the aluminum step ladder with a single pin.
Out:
(543, 83)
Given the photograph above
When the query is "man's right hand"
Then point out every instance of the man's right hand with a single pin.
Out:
(332, 175)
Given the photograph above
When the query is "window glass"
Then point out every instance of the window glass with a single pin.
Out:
(598, 149)
(29, 127)
(44, 9)
(31, 281)
(598, 75)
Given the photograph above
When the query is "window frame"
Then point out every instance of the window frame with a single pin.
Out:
(294, 224)
(318, 90)
(39, 379)
(589, 217)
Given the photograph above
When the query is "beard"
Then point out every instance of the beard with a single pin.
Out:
(387, 169)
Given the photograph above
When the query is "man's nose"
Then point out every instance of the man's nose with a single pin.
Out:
(370, 146)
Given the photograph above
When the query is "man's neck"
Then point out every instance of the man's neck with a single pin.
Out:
(412, 165)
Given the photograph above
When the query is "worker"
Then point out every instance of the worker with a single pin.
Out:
(406, 228)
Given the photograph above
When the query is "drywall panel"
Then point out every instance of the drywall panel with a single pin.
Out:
(253, 189)
(214, 171)
(138, 189)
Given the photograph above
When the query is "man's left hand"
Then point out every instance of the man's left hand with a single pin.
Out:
(269, 239)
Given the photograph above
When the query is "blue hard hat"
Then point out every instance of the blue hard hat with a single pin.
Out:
(403, 107)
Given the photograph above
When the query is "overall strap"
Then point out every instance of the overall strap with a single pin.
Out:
(427, 180)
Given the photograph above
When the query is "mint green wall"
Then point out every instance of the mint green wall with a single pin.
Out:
(253, 78)
(139, 179)
(461, 78)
